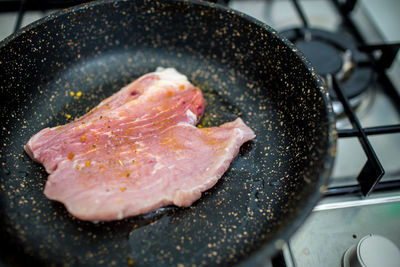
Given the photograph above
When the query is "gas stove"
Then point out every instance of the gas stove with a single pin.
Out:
(353, 45)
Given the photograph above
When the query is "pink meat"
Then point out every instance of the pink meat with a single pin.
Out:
(138, 150)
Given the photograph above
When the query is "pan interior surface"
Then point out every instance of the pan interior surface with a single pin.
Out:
(244, 70)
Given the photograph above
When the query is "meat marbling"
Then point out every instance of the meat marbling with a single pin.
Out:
(138, 150)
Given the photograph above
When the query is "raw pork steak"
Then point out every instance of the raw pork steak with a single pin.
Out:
(138, 150)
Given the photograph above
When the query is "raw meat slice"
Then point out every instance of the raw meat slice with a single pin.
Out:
(154, 101)
(137, 151)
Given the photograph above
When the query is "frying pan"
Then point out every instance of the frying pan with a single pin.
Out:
(244, 68)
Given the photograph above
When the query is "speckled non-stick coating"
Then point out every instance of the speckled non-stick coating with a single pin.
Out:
(244, 69)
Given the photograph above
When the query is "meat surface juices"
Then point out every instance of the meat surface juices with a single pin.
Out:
(137, 151)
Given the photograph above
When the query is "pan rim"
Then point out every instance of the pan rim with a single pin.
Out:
(268, 248)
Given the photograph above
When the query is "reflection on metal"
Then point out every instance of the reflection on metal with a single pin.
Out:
(330, 231)
(357, 203)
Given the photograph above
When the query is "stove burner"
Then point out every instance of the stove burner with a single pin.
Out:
(334, 54)
(325, 58)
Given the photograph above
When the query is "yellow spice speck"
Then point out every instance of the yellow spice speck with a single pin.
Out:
(83, 138)
(122, 189)
(77, 166)
(68, 116)
(87, 163)
(130, 262)
(58, 128)
(71, 93)
(120, 163)
(79, 94)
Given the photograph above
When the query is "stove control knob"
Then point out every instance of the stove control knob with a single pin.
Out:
(372, 251)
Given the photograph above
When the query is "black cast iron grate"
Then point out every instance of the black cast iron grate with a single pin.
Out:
(371, 173)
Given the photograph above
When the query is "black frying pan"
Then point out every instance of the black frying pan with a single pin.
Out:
(244, 69)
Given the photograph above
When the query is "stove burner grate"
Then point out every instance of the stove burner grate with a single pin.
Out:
(359, 62)
(334, 54)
